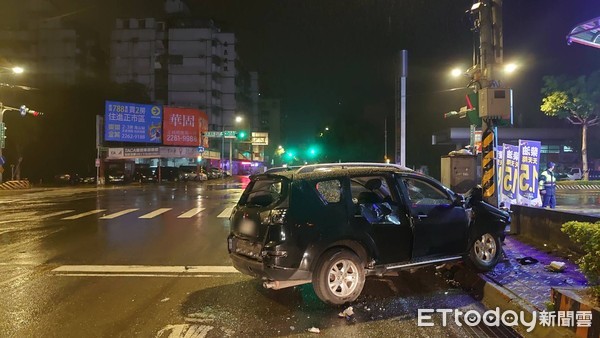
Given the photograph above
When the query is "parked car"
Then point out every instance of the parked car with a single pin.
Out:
(67, 178)
(191, 173)
(574, 174)
(332, 225)
(215, 173)
(116, 176)
(169, 174)
(144, 175)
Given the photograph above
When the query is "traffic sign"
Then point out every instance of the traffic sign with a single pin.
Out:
(219, 134)
(212, 134)
(200, 149)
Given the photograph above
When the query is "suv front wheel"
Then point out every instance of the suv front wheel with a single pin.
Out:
(339, 277)
(485, 252)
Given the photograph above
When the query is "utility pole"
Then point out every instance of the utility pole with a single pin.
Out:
(485, 74)
(400, 150)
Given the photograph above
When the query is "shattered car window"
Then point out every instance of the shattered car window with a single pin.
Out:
(330, 191)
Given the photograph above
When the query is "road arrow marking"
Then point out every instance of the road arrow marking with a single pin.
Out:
(191, 213)
(117, 214)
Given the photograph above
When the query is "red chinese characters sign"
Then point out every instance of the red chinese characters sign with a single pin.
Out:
(183, 126)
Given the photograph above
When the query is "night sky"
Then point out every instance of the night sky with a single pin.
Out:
(335, 58)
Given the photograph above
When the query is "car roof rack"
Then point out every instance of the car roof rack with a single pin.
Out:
(324, 166)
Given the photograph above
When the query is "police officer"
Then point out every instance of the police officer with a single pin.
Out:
(548, 187)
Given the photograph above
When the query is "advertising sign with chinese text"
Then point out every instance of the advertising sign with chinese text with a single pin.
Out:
(183, 126)
(510, 171)
(529, 160)
(132, 122)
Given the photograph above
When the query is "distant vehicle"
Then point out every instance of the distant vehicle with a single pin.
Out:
(115, 176)
(191, 173)
(574, 174)
(67, 178)
(144, 175)
(170, 174)
(215, 173)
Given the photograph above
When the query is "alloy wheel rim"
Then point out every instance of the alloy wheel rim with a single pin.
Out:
(485, 248)
(342, 278)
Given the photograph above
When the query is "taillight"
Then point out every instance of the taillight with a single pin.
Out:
(273, 217)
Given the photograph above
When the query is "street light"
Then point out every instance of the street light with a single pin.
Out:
(510, 68)
(17, 70)
(456, 72)
(237, 119)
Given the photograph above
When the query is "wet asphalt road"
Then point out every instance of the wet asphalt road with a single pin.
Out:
(151, 261)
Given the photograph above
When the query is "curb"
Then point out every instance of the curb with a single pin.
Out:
(493, 295)
(14, 185)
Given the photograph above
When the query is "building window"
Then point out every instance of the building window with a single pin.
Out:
(550, 149)
(126, 24)
(225, 44)
(142, 23)
(225, 52)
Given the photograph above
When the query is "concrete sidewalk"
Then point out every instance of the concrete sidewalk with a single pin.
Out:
(515, 286)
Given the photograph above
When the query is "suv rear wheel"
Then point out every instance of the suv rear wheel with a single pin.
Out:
(339, 277)
(485, 252)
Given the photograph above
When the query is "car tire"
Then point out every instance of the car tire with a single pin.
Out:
(339, 277)
(485, 252)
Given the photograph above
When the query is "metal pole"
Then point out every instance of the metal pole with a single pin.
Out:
(230, 156)
(401, 111)
(385, 139)
(222, 144)
(2, 110)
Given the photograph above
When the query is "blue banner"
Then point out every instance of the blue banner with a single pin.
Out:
(529, 160)
(132, 122)
(510, 171)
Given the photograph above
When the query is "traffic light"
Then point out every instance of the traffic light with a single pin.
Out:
(241, 135)
(313, 151)
(24, 111)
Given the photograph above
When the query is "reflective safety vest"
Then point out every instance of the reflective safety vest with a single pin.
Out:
(547, 180)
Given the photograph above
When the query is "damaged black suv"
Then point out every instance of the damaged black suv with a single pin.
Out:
(334, 224)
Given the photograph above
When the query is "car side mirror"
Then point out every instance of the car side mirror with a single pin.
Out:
(459, 201)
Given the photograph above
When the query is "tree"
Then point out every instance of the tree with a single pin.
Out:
(577, 101)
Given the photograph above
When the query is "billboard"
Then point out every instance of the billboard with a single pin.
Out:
(183, 127)
(529, 160)
(132, 122)
(510, 171)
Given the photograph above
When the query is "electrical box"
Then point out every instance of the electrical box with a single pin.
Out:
(459, 172)
(496, 103)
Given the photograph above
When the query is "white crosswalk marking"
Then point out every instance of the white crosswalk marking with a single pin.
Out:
(117, 214)
(56, 213)
(97, 211)
(226, 213)
(190, 213)
(155, 213)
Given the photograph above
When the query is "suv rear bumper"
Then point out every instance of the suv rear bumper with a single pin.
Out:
(261, 270)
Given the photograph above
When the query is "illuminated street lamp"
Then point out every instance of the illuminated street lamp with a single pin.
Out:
(18, 70)
(510, 68)
(456, 72)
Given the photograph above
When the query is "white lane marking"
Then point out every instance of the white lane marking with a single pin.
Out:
(117, 214)
(226, 213)
(155, 213)
(145, 269)
(191, 213)
(56, 213)
(132, 275)
(21, 275)
(184, 331)
(97, 211)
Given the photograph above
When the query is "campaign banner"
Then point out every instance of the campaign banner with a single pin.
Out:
(529, 163)
(132, 122)
(510, 171)
(184, 126)
(499, 172)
